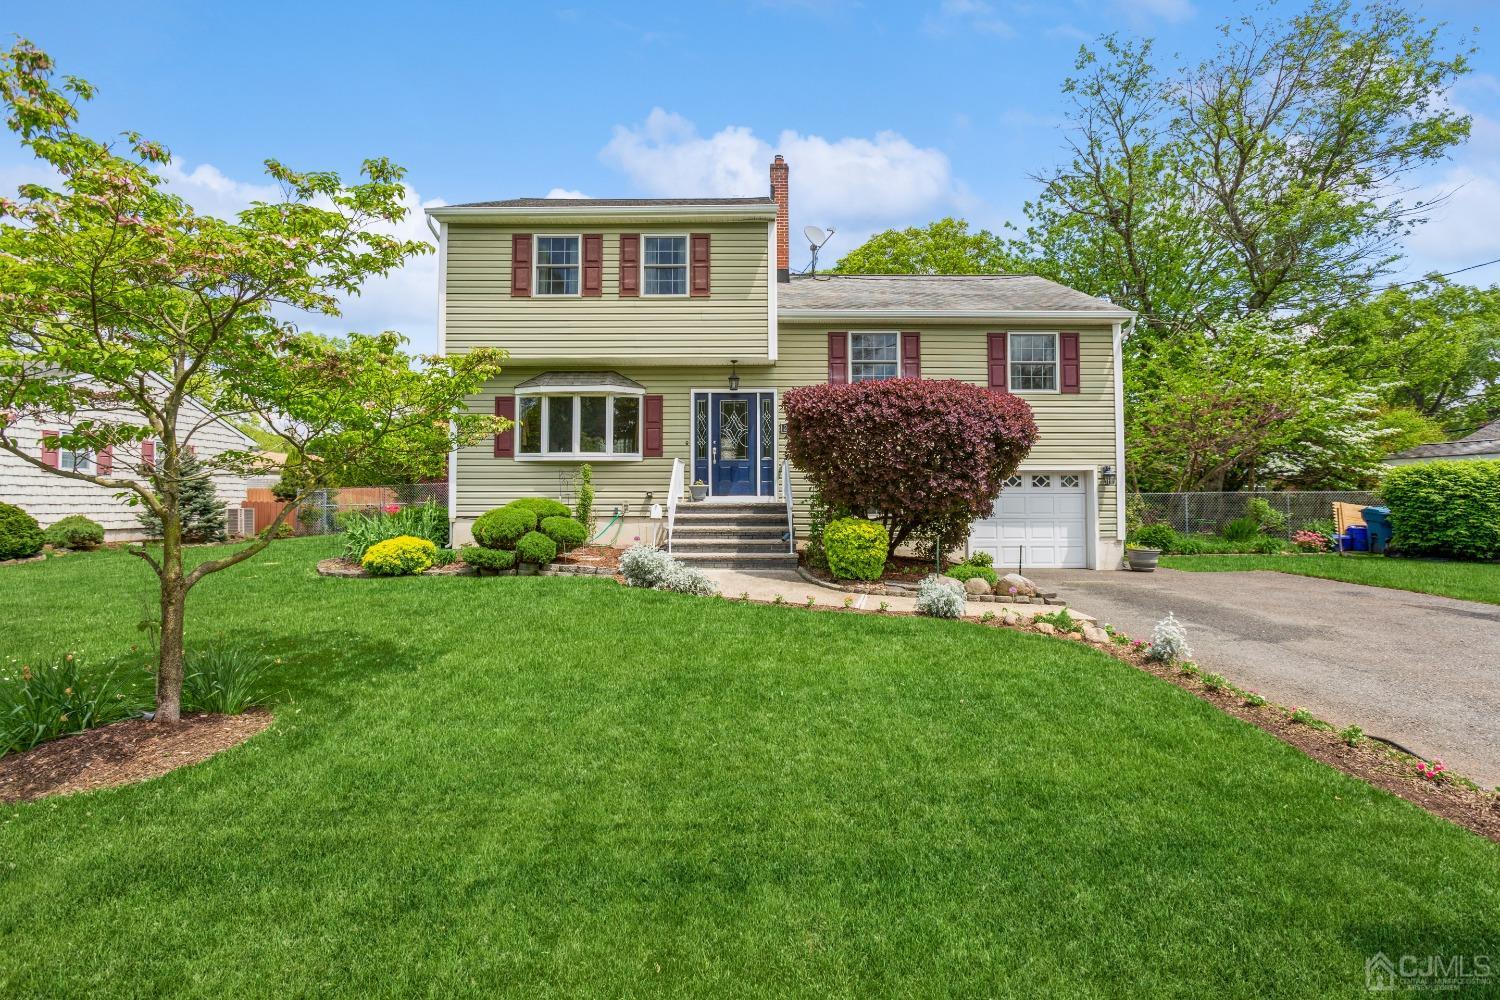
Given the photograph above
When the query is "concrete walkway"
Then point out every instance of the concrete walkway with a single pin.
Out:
(766, 584)
(1421, 670)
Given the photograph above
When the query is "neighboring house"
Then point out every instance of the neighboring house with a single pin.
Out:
(1483, 443)
(645, 331)
(49, 498)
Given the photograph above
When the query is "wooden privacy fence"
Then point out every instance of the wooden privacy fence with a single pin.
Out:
(316, 516)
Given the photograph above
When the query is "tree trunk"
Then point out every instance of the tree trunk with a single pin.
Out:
(173, 610)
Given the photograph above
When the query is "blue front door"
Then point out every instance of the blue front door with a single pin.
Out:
(733, 447)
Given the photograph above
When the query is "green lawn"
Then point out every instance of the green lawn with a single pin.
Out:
(545, 786)
(1466, 581)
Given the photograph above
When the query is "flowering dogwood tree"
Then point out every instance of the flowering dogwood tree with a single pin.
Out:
(919, 452)
(118, 303)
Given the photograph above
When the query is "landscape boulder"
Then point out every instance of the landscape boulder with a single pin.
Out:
(977, 585)
(1024, 587)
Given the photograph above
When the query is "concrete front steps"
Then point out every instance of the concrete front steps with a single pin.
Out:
(732, 536)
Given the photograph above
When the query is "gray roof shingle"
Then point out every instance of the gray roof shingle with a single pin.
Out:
(567, 380)
(922, 293)
(1484, 441)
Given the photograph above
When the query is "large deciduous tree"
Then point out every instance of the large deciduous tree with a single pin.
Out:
(942, 247)
(1270, 176)
(1430, 347)
(1249, 405)
(118, 303)
(917, 452)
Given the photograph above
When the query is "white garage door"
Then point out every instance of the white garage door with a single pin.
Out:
(1040, 520)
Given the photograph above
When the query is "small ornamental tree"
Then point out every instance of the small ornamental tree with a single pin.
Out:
(915, 452)
(118, 303)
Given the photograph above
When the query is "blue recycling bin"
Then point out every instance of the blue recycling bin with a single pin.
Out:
(1378, 520)
(1358, 538)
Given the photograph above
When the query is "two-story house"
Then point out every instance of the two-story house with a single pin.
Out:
(648, 336)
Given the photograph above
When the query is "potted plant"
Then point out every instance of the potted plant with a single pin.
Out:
(1142, 560)
(700, 490)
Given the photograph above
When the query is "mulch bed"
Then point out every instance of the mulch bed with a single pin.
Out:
(122, 753)
(606, 556)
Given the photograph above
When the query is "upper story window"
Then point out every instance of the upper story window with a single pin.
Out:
(1033, 362)
(874, 356)
(75, 461)
(584, 425)
(664, 265)
(557, 265)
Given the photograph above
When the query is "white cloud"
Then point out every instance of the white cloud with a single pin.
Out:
(976, 16)
(1464, 227)
(857, 185)
(565, 193)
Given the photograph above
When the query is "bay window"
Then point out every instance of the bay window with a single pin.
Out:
(578, 425)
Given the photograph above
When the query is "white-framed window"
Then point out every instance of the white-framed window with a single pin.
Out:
(557, 265)
(1033, 362)
(581, 425)
(874, 356)
(664, 265)
(75, 461)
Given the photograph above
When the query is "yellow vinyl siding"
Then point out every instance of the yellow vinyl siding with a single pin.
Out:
(1076, 429)
(730, 323)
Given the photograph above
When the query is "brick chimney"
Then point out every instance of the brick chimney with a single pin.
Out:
(779, 193)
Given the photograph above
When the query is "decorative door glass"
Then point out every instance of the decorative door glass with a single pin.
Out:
(734, 430)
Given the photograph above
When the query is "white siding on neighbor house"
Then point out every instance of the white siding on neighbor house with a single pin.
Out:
(1077, 429)
(49, 498)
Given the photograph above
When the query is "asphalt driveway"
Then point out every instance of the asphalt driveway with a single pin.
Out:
(1419, 670)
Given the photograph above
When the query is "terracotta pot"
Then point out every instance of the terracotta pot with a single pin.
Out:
(1142, 560)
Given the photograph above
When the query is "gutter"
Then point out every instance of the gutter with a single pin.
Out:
(859, 315)
(566, 210)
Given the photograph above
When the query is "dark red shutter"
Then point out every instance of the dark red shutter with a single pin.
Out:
(702, 264)
(49, 448)
(107, 461)
(651, 419)
(148, 455)
(911, 355)
(505, 441)
(630, 265)
(999, 375)
(838, 358)
(593, 264)
(1067, 346)
(520, 265)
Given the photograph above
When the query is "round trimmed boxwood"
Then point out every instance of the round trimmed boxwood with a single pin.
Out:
(503, 527)
(403, 555)
(20, 536)
(565, 531)
(535, 547)
(75, 532)
(485, 560)
(542, 507)
(856, 548)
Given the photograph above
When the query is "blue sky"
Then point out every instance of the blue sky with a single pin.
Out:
(890, 114)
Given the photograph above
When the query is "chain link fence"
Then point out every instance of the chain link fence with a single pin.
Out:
(318, 514)
(1208, 513)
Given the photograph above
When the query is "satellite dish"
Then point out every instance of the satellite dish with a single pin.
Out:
(815, 236)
